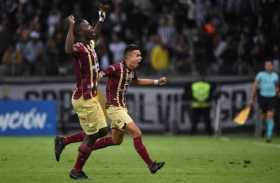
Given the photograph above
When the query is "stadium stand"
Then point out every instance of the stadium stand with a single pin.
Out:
(218, 37)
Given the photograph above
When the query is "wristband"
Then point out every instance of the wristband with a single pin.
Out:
(156, 82)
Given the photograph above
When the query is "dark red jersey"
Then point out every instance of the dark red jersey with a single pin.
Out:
(86, 70)
(119, 77)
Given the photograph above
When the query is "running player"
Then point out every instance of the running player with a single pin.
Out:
(267, 82)
(120, 76)
(84, 100)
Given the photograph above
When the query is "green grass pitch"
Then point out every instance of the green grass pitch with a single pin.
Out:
(188, 160)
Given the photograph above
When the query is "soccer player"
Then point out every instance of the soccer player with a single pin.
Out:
(84, 99)
(119, 77)
(267, 82)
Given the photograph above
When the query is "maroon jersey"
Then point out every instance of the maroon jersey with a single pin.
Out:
(86, 70)
(119, 77)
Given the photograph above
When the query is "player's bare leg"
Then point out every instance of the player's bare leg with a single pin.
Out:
(61, 142)
(115, 138)
(136, 134)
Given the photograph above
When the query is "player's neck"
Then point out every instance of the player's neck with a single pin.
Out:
(127, 66)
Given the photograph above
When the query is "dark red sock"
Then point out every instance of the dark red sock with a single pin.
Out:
(103, 142)
(141, 150)
(77, 137)
(84, 152)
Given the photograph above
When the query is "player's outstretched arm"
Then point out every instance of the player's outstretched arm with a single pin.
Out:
(109, 72)
(159, 82)
(102, 15)
(70, 38)
(253, 93)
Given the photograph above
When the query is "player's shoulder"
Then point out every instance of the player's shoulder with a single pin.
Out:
(115, 67)
(275, 75)
(79, 47)
(261, 74)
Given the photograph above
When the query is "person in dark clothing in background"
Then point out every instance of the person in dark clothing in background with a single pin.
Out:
(201, 94)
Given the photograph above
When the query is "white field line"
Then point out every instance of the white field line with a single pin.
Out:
(263, 144)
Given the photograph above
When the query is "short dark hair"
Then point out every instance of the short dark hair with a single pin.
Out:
(131, 47)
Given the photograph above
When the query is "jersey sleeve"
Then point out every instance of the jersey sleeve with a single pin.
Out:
(110, 71)
(258, 77)
(277, 78)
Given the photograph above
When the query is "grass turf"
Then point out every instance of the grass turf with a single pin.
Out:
(188, 160)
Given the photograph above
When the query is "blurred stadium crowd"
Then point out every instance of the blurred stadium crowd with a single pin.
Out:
(217, 37)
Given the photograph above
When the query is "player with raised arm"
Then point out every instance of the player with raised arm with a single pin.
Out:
(80, 43)
(119, 77)
(267, 82)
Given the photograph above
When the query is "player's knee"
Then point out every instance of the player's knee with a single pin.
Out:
(134, 130)
(117, 141)
(136, 133)
(85, 148)
(89, 140)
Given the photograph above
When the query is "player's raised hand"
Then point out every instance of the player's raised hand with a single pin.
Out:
(104, 6)
(162, 81)
(71, 20)
(102, 15)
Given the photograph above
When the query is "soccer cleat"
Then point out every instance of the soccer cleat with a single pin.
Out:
(268, 140)
(77, 175)
(58, 147)
(155, 166)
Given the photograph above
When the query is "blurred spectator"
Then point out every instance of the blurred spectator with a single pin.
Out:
(117, 48)
(160, 59)
(276, 58)
(231, 34)
(12, 59)
(5, 36)
(52, 21)
(51, 57)
(166, 31)
(182, 56)
(117, 18)
(229, 58)
(104, 54)
(33, 53)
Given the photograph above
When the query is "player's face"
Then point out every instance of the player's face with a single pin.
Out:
(86, 29)
(268, 66)
(133, 59)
